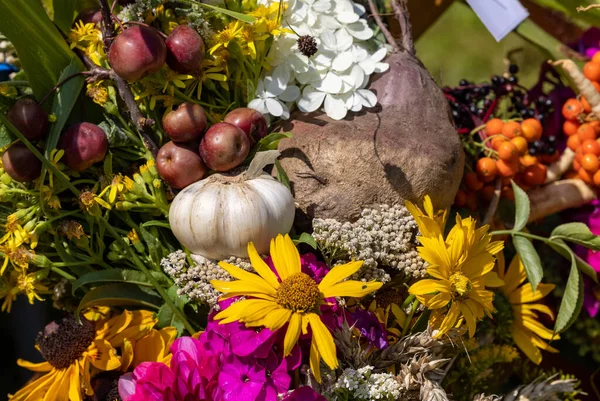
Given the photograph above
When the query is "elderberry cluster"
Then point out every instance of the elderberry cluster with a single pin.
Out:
(545, 146)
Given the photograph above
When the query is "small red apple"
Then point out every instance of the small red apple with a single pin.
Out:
(21, 164)
(136, 52)
(224, 146)
(29, 118)
(186, 123)
(185, 50)
(84, 144)
(179, 165)
(250, 121)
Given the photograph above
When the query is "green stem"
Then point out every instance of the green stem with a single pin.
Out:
(185, 97)
(62, 273)
(14, 83)
(414, 308)
(522, 234)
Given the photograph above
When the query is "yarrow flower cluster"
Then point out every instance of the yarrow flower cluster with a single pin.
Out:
(194, 281)
(384, 236)
(334, 77)
(362, 384)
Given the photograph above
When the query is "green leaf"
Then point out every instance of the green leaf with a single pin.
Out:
(233, 14)
(157, 223)
(6, 138)
(521, 207)
(569, 7)
(306, 238)
(578, 233)
(530, 258)
(572, 300)
(117, 275)
(64, 101)
(122, 294)
(64, 12)
(282, 176)
(43, 53)
(563, 249)
(166, 317)
(271, 141)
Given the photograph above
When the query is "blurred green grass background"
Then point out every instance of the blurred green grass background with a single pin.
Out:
(459, 46)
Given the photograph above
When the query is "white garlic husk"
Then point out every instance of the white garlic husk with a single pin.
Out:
(218, 216)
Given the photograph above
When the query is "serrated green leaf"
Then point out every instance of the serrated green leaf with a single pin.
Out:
(306, 238)
(563, 249)
(522, 207)
(43, 53)
(530, 258)
(167, 318)
(578, 233)
(118, 275)
(122, 294)
(572, 300)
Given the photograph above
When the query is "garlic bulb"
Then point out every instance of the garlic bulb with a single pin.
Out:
(218, 216)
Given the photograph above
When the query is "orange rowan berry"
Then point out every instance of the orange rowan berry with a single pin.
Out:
(586, 131)
(573, 142)
(507, 168)
(535, 175)
(590, 146)
(507, 151)
(494, 126)
(572, 109)
(460, 199)
(531, 129)
(591, 70)
(590, 163)
(528, 160)
(520, 143)
(486, 169)
(570, 127)
(473, 182)
(585, 176)
(511, 129)
(596, 178)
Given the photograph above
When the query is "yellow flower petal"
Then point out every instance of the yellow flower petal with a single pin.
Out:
(243, 287)
(525, 343)
(244, 308)
(537, 307)
(428, 286)
(469, 318)
(525, 294)
(492, 280)
(449, 320)
(261, 267)
(323, 340)
(515, 275)
(315, 360)
(277, 318)
(351, 288)
(35, 367)
(74, 383)
(437, 301)
(104, 356)
(292, 334)
(536, 327)
(250, 278)
(285, 256)
(339, 273)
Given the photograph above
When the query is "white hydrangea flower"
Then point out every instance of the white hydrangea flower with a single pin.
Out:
(336, 77)
(270, 96)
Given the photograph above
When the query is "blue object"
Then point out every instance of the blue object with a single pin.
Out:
(5, 71)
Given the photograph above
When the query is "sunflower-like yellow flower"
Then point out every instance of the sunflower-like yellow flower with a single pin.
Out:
(431, 223)
(73, 351)
(527, 332)
(461, 268)
(225, 36)
(293, 299)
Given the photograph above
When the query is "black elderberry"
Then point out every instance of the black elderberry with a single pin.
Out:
(513, 69)
(513, 80)
(463, 82)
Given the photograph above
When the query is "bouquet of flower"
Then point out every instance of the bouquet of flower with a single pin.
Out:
(137, 193)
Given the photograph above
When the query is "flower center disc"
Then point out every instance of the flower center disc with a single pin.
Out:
(460, 283)
(62, 342)
(299, 293)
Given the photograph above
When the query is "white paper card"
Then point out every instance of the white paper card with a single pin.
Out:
(500, 17)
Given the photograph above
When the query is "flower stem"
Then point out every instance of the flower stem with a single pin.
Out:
(62, 273)
(414, 308)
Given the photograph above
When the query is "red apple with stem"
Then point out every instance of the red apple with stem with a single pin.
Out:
(29, 118)
(21, 164)
(136, 52)
(252, 122)
(84, 144)
(186, 123)
(185, 50)
(180, 165)
(224, 146)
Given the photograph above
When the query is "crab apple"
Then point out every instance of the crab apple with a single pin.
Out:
(250, 121)
(136, 52)
(29, 118)
(84, 144)
(186, 123)
(91, 15)
(21, 164)
(180, 165)
(224, 146)
(185, 50)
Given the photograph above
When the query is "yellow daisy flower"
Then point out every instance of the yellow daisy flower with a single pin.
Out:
(431, 223)
(293, 299)
(73, 350)
(223, 37)
(461, 268)
(526, 331)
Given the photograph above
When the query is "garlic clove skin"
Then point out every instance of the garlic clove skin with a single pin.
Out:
(217, 217)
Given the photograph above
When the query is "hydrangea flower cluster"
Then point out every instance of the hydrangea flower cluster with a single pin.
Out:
(362, 384)
(336, 76)
(382, 236)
